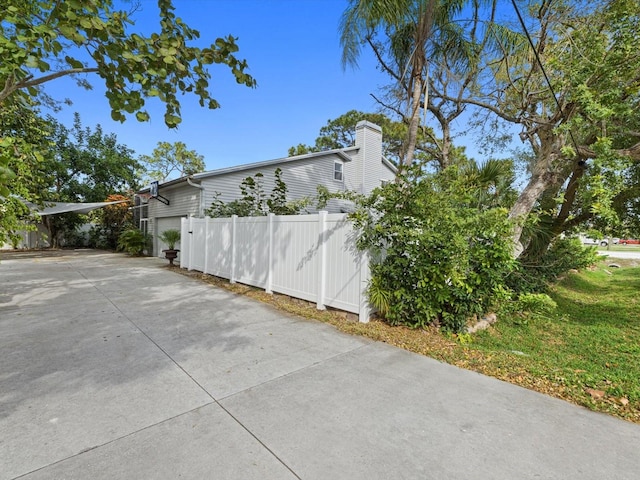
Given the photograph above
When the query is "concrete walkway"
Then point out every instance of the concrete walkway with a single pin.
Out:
(115, 368)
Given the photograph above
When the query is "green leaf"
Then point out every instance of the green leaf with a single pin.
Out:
(73, 62)
(142, 116)
(172, 121)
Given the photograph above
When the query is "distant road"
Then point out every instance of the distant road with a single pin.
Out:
(614, 254)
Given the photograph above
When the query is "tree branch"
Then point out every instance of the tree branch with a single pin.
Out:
(632, 153)
(11, 87)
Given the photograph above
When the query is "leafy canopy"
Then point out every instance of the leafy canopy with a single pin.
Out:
(41, 41)
(168, 159)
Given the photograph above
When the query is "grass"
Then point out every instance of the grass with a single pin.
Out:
(620, 248)
(587, 352)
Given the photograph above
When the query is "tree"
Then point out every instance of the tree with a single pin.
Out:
(84, 165)
(573, 94)
(43, 41)
(360, 23)
(23, 135)
(407, 37)
(88, 165)
(169, 158)
(111, 221)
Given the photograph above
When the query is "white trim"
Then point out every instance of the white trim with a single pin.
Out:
(341, 171)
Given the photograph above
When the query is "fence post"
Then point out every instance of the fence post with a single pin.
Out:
(365, 276)
(190, 242)
(322, 259)
(206, 244)
(270, 254)
(183, 235)
(232, 276)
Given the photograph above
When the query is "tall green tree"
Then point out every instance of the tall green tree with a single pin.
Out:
(171, 159)
(364, 19)
(88, 165)
(23, 136)
(410, 38)
(41, 41)
(83, 165)
(573, 93)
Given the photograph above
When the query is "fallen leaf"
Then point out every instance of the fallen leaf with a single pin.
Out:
(595, 394)
(624, 401)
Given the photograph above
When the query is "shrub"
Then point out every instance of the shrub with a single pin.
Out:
(529, 305)
(437, 257)
(563, 254)
(133, 241)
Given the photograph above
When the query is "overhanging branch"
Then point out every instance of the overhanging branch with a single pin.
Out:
(10, 87)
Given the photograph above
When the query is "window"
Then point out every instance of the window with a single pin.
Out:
(337, 171)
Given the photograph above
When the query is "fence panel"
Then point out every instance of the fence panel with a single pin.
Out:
(343, 279)
(218, 243)
(295, 256)
(312, 257)
(252, 251)
(185, 243)
(197, 240)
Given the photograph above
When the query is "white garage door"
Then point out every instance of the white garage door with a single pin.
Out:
(162, 225)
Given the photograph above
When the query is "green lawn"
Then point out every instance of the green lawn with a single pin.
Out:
(621, 248)
(589, 351)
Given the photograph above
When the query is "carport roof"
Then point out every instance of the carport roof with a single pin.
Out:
(54, 208)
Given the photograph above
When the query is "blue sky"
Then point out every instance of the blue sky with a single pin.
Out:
(293, 50)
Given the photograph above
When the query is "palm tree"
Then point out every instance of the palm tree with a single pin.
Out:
(409, 26)
(362, 21)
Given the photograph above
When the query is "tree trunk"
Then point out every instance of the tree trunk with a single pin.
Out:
(414, 121)
(525, 203)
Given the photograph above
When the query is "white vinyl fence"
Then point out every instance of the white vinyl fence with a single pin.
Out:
(312, 257)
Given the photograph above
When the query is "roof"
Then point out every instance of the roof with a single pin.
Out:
(340, 152)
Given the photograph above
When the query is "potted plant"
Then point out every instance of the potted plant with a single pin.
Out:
(170, 237)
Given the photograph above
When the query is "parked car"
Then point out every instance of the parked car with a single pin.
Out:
(594, 241)
(629, 241)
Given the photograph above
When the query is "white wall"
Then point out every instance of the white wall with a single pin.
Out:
(312, 257)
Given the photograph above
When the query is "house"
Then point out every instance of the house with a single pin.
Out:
(359, 168)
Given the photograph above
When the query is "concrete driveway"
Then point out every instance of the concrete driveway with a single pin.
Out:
(116, 368)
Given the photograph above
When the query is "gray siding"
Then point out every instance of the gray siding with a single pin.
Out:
(386, 174)
(184, 200)
(369, 138)
(301, 177)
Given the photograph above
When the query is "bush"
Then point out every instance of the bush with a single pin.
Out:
(134, 242)
(437, 257)
(563, 254)
(529, 305)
